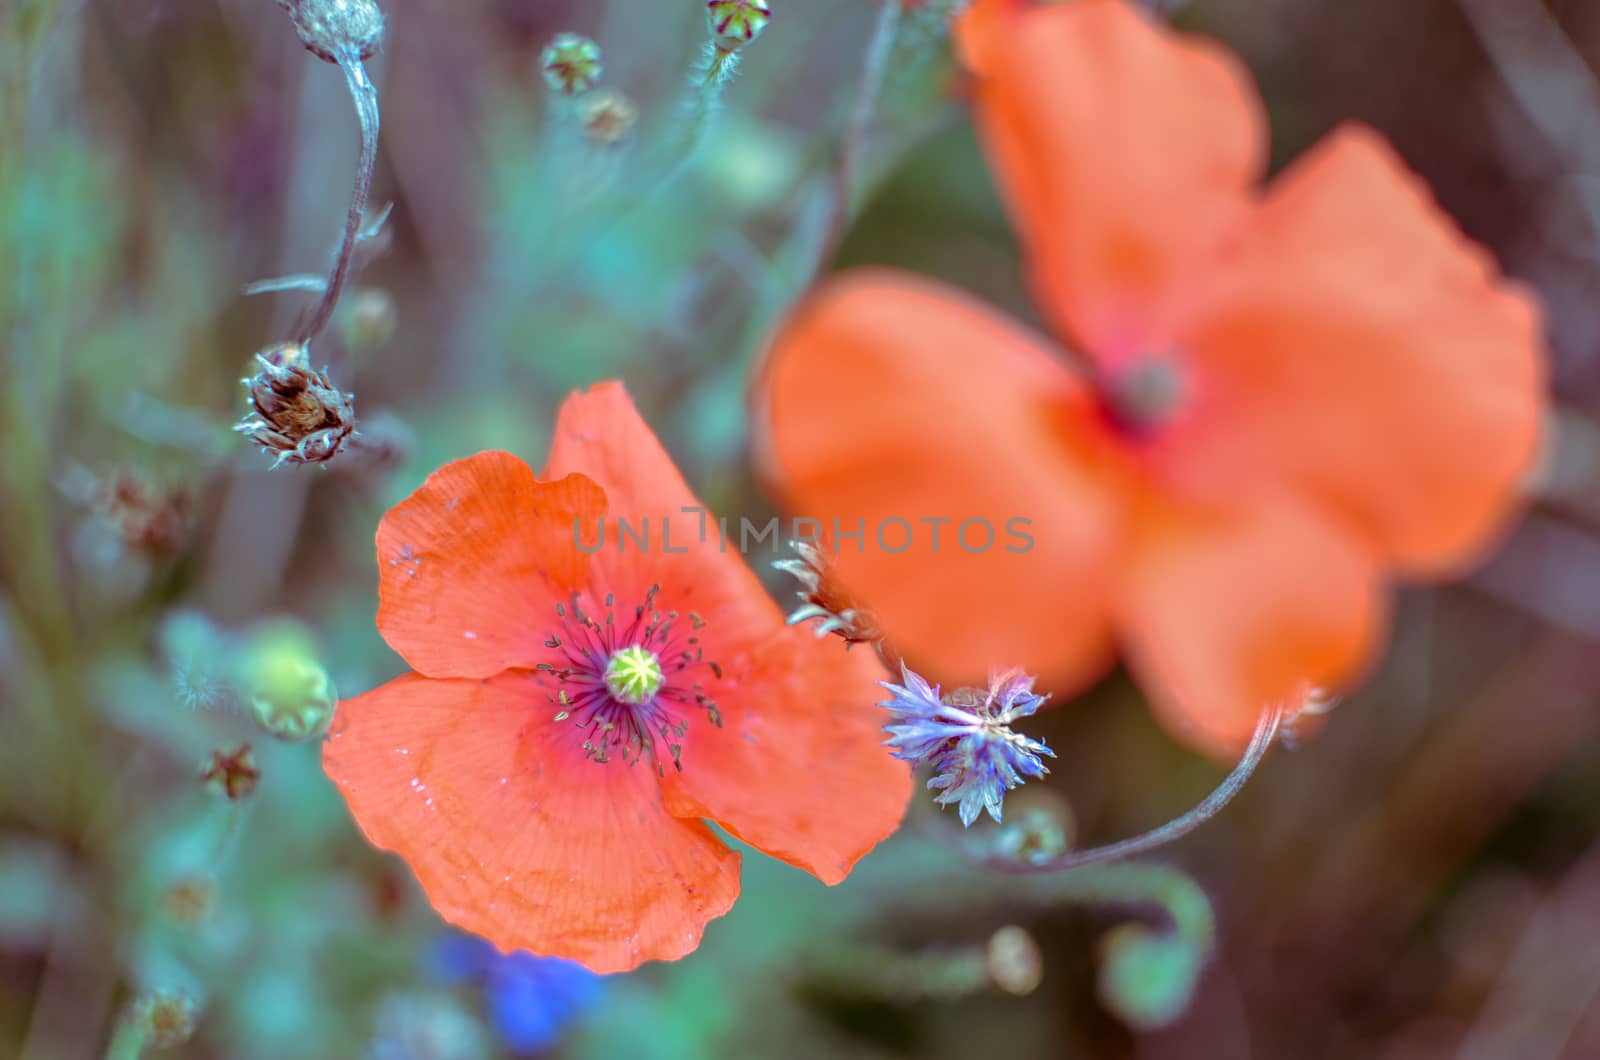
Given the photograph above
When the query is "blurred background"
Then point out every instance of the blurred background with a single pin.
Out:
(1421, 879)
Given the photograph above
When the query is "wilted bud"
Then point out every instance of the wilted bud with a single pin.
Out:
(1303, 721)
(299, 414)
(291, 696)
(571, 64)
(608, 117)
(165, 1018)
(232, 775)
(735, 23)
(329, 28)
(190, 899)
(143, 515)
(369, 320)
(824, 599)
(1014, 962)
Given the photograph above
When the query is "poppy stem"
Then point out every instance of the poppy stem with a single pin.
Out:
(365, 97)
(874, 69)
(1260, 742)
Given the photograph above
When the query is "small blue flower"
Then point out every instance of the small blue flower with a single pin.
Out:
(966, 738)
(531, 999)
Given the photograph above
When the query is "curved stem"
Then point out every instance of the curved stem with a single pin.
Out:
(365, 97)
(1266, 732)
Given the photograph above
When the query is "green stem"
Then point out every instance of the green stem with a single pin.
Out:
(129, 1041)
(1266, 732)
(716, 68)
(365, 97)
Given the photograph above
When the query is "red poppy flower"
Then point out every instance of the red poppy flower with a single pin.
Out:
(1274, 401)
(576, 713)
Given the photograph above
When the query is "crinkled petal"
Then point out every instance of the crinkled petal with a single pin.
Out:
(1370, 354)
(514, 834)
(469, 566)
(647, 537)
(798, 768)
(966, 453)
(1227, 614)
(1125, 151)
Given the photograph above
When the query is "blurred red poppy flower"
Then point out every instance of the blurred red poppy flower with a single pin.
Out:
(576, 711)
(1275, 400)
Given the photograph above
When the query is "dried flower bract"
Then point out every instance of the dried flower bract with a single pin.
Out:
(299, 415)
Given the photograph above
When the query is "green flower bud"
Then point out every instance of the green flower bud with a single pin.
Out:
(289, 692)
(1147, 977)
(735, 23)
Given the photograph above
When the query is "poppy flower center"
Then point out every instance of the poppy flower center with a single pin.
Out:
(1145, 395)
(634, 675)
(630, 687)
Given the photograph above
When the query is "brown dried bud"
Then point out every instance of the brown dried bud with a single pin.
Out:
(329, 28)
(825, 600)
(166, 1018)
(608, 117)
(190, 899)
(232, 775)
(299, 414)
(144, 515)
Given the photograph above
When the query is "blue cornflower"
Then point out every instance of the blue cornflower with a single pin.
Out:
(531, 999)
(966, 738)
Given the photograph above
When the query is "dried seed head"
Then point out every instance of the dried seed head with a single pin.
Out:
(571, 64)
(824, 600)
(608, 117)
(190, 899)
(735, 23)
(232, 775)
(299, 414)
(166, 1017)
(330, 28)
(143, 515)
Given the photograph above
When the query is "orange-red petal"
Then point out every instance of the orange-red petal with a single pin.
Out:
(1375, 357)
(798, 768)
(1125, 152)
(600, 434)
(471, 564)
(514, 834)
(1227, 613)
(889, 401)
